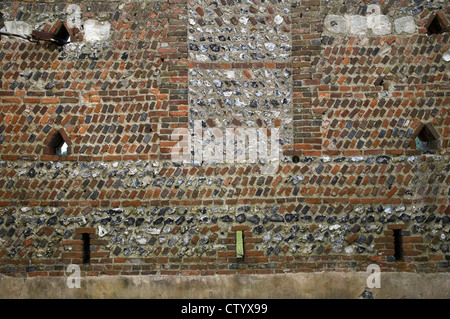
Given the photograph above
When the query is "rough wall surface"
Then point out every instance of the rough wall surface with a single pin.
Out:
(349, 85)
(323, 285)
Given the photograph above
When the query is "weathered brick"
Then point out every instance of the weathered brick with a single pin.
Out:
(350, 110)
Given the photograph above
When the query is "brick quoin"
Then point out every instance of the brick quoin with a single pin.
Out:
(360, 109)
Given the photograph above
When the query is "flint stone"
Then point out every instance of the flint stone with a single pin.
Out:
(278, 238)
(383, 159)
(446, 56)
(142, 240)
(379, 24)
(335, 23)
(11, 232)
(102, 231)
(10, 220)
(226, 219)
(357, 24)
(180, 220)
(139, 221)
(129, 221)
(18, 27)
(172, 241)
(405, 24)
(258, 229)
(253, 219)
(52, 221)
(290, 217)
(420, 218)
(96, 31)
(241, 218)
(276, 218)
(117, 221)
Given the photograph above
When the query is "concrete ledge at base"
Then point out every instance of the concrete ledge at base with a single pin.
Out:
(280, 286)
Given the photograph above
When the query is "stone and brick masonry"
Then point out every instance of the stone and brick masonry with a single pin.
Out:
(359, 91)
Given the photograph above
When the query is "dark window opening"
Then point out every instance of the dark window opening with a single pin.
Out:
(58, 146)
(2, 21)
(436, 26)
(86, 248)
(62, 36)
(427, 138)
(398, 245)
(59, 35)
(295, 159)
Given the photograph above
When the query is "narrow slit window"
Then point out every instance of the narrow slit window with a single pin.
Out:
(86, 248)
(239, 245)
(2, 21)
(398, 245)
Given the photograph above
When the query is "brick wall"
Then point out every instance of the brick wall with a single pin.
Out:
(361, 110)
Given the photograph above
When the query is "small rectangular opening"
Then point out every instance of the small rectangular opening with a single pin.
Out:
(398, 245)
(239, 246)
(86, 248)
